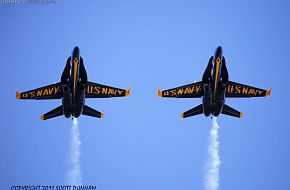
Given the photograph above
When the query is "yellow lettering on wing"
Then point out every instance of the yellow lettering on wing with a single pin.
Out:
(97, 90)
(166, 93)
(32, 94)
(252, 91)
(45, 93)
(90, 89)
(25, 95)
(230, 88)
(104, 91)
(180, 91)
(197, 88)
(260, 92)
(119, 92)
(50, 90)
(245, 90)
(173, 92)
(56, 89)
(238, 90)
(111, 91)
(39, 92)
(188, 90)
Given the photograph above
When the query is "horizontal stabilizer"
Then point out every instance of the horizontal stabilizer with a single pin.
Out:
(53, 113)
(227, 110)
(91, 112)
(194, 111)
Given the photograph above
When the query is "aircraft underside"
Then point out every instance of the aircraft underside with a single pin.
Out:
(73, 89)
(214, 88)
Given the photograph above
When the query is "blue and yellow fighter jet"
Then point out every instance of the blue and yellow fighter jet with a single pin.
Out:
(214, 88)
(73, 89)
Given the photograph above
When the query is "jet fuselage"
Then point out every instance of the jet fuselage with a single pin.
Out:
(74, 79)
(214, 84)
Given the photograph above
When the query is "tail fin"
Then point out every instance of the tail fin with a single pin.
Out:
(53, 113)
(227, 110)
(91, 112)
(194, 111)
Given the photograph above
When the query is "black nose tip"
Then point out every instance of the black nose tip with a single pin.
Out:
(219, 50)
(76, 52)
(76, 49)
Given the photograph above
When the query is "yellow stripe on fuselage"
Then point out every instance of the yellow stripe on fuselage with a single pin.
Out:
(218, 61)
(76, 62)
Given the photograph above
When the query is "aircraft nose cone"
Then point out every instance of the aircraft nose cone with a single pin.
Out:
(219, 50)
(76, 49)
(76, 52)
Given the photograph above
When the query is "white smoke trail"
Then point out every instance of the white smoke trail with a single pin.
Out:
(74, 174)
(213, 165)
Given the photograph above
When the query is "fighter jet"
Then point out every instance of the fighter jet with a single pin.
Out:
(214, 88)
(73, 88)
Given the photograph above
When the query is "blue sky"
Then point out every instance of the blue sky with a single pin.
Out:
(142, 143)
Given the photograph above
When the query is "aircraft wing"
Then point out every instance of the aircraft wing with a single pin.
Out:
(236, 90)
(194, 90)
(53, 91)
(95, 90)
